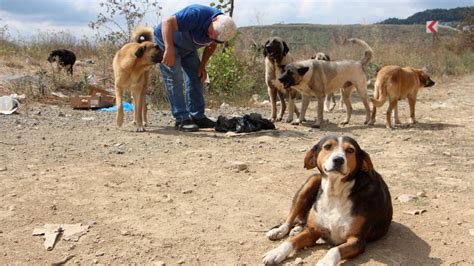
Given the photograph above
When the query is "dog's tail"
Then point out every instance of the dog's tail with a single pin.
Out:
(368, 51)
(142, 34)
(380, 93)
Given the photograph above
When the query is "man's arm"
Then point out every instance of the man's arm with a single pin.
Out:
(168, 26)
(208, 51)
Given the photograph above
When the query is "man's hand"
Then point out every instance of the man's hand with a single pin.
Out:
(208, 51)
(202, 73)
(168, 57)
(169, 26)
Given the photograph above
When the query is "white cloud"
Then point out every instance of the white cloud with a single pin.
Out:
(75, 14)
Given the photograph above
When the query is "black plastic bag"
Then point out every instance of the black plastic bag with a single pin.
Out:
(247, 123)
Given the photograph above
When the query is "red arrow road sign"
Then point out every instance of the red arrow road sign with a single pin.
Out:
(432, 26)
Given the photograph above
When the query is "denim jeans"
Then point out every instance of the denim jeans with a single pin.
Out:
(187, 102)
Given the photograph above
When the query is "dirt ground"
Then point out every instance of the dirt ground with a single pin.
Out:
(180, 198)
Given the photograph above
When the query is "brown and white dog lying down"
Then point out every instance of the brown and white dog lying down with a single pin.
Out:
(318, 78)
(131, 65)
(397, 83)
(276, 52)
(347, 204)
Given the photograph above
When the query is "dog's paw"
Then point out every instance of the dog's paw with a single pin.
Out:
(279, 232)
(398, 122)
(296, 230)
(371, 122)
(325, 263)
(140, 129)
(411, 121)
(278, 254)
(331, 258)
(296, 122)
(316, 125)
(329, 108)
(289, 120)
(278, 119)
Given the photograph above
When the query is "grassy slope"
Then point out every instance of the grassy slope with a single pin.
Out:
(392, 44)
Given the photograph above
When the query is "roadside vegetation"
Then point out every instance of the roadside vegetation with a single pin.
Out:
(236, 70)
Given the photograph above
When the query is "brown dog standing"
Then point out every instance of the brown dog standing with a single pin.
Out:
(276, 52)
(131, 65)
(396, 83)
(347, 204)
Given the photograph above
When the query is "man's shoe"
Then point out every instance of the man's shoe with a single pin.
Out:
(186, 126)
(204, 122)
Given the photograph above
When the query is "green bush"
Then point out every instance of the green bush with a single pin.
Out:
(233, 78)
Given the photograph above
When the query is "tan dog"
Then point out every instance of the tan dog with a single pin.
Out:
(319, 78)
(276, 52)
(131, 65)
(347, 204)
(330, 100)
(396, 83)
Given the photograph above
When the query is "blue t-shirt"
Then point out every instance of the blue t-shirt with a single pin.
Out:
(193, 23)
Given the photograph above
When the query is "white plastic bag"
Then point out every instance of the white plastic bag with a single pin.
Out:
(8, 105)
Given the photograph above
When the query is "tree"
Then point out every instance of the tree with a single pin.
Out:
(133, 12)
(3, 31)
(226, 6)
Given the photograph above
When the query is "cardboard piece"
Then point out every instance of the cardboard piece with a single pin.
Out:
(97, 98)
(97, 91)
(50, 232)
(92, 102)
(71, 232)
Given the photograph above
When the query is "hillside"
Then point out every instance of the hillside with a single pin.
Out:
(323, 37)
(443, 15)
(392, 44)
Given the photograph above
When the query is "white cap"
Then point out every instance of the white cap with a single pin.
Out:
(225, 27)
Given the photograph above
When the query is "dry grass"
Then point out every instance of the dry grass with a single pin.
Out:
(399, 45)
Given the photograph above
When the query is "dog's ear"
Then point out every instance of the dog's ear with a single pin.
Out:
(328, 58)
(285, 48)
(365, 162)
(302, 70)
(425, 79)
(310, 159)
(140, 51)
(282, 67)
(265, 48)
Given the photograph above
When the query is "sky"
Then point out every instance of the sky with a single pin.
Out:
(28, 17)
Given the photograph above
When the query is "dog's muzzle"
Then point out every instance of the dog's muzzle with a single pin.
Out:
(157, 57)
(335, 165)
(285, 81)
(430, 83)
(272, 50)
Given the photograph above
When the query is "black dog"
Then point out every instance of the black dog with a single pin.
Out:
(63, 58)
